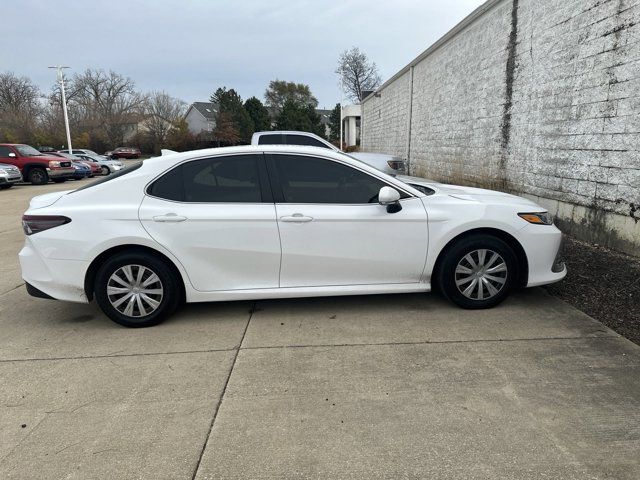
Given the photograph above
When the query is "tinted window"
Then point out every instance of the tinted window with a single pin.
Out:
(315, 180)
(272, 139)
(225, 179)
(304, 140)
(112, 176)
(4, 152)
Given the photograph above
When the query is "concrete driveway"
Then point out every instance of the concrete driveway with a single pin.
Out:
(403, 386)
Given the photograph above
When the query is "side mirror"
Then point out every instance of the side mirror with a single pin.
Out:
(12, 155)
(391, 198)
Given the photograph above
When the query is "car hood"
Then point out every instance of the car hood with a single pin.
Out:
(47, 199)
(472, 194)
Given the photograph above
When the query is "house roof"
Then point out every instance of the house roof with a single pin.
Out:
(207, 109)
(325, 115)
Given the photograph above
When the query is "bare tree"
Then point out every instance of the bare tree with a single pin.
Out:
(107, 103)
(162, 113)
(20, 107)
(279, 91)
(357, 73)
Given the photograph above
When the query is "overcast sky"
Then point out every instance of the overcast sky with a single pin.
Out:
(188, 48)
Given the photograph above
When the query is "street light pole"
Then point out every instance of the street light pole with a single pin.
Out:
(64, 104)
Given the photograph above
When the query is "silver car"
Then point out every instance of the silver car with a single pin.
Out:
(107, 166)
(9, 175)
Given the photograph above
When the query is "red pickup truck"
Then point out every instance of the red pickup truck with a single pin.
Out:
(37, 168)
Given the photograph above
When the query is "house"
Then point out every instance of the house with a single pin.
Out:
(325, 120)
(201, 118)
(351, 125)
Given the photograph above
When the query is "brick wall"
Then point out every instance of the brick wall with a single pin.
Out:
(537, 97)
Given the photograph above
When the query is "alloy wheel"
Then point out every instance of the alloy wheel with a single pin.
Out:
(135, 290)
(481, 274)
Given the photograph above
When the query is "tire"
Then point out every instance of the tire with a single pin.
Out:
(38, 176)
(105, 170)
(493, 273)
(59, 180)
(166, 290)
(6, 187)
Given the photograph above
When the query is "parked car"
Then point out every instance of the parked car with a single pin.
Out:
(9, 176)
(82, 170)
(273, 222)
(124, 152)
(106, 166)
(385, 163)
(81, 151)
(93, 167)
(37, 168)
(45, 149)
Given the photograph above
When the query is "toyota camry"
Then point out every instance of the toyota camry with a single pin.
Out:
(260, 222)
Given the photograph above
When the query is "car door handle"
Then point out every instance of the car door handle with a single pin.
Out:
(296, 218)
(169, 218)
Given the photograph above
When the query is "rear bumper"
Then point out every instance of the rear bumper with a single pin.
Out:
(34, 292)
(48, 278)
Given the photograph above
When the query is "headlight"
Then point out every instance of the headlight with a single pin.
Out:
(3, 173)
(539, 218)
(54, 163)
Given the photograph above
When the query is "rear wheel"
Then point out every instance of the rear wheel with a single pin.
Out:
(136, 289)
(38, 176)
(479, 271)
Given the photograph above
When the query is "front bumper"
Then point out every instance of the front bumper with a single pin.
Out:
(542, 246)
(10, 180)
(61, 172)
(80, 174)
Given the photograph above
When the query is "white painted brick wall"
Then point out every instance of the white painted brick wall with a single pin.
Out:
(574, 130)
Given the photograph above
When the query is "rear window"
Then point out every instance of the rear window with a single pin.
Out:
(112, 176)
(271, 139)
(305, 141)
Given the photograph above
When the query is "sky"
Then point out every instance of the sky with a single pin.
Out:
(188, 48)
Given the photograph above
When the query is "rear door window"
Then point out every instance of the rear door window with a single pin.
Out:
(229, 179)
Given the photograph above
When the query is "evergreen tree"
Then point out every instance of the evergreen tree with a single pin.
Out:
(297, 116)
(334, 124)
(258, 113)
(232, 116)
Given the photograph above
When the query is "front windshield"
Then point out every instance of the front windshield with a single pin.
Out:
(27, 151)
(91, 152)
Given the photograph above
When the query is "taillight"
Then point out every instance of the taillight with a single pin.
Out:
(38, 223)
(396, 164)
(54, 163)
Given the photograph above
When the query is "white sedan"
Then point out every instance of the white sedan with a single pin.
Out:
(262, 222)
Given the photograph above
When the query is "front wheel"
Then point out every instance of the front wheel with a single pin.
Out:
(479, 271)
(38, 176)
(137, 289)
(105, 170)
(6, 186)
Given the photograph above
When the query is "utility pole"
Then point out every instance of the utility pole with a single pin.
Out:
(341, 102)
(60, 77)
